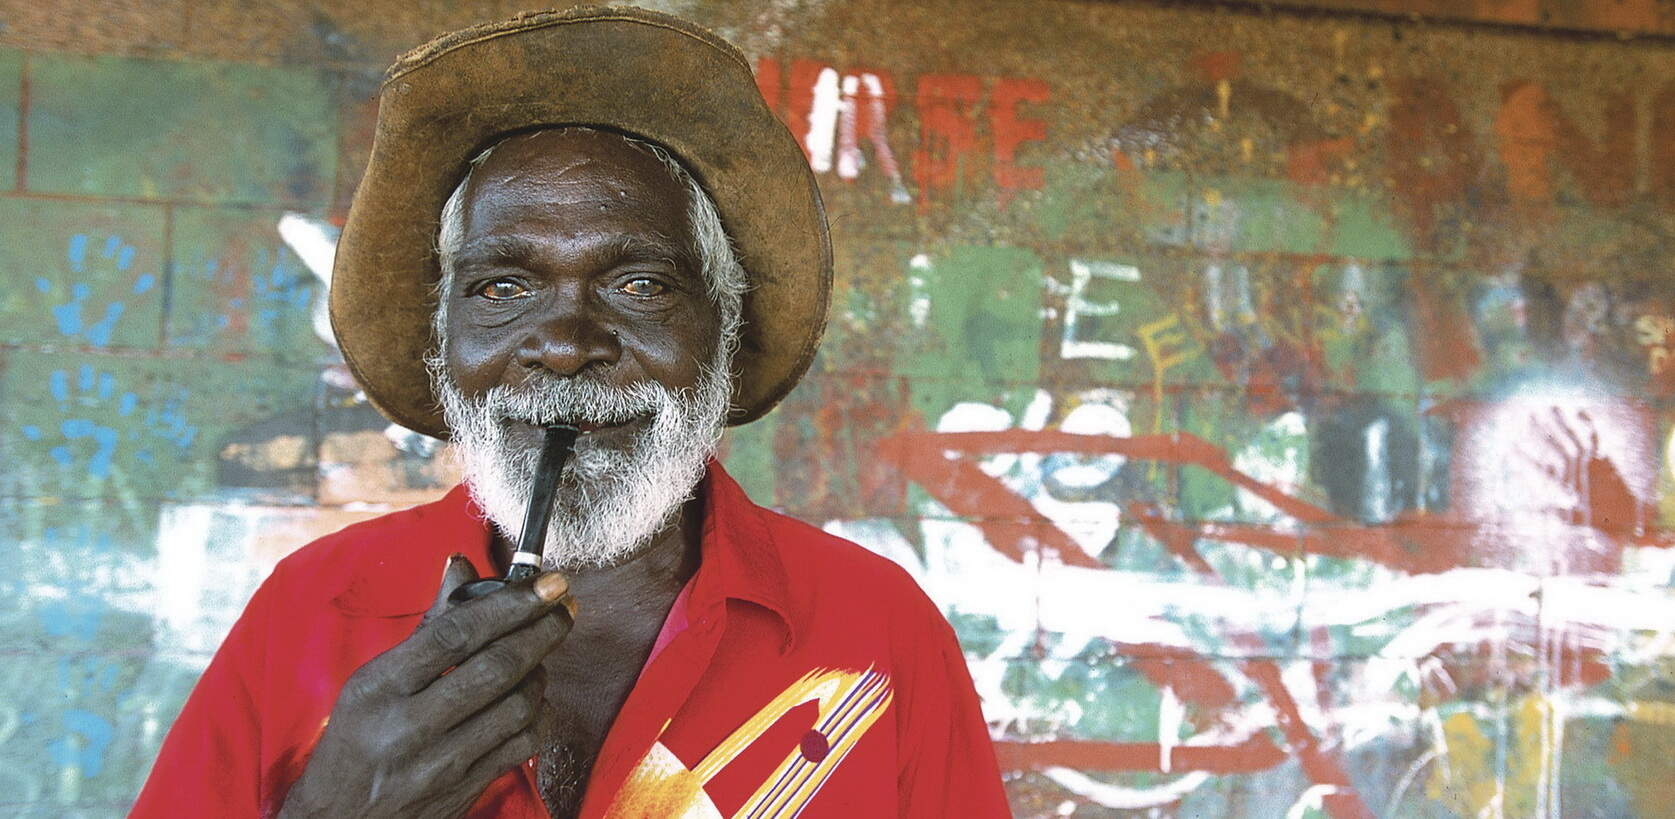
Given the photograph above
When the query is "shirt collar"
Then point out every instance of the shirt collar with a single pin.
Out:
(397, 575)
(739, 558)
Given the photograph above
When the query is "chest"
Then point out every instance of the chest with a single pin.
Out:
(588, 679)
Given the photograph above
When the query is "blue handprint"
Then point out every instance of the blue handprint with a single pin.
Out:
(97, 326)
(92, 390)
(93, 405)
(86, 736)
(282, 290)
(167, 421)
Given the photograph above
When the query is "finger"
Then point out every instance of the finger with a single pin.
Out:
(508, 755)
(463, 629)
(451, 759)
(480, 731)
(498, 667)
(457, 782)
(1568, 430)
(456, 572)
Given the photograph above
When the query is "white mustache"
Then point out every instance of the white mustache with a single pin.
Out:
(548, 399)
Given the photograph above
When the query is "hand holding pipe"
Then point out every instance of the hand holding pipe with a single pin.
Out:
(556, 446)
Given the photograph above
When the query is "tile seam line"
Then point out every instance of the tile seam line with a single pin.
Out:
(1306, 11)
(105, 199)
(21, 168)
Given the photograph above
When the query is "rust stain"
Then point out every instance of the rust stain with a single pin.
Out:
(1533, 134)
(1434, 160)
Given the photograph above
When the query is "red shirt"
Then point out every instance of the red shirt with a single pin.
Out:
(803, 675)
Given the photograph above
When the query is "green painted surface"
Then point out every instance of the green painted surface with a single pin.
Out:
(1363, 227)
(205, 131)
(973, 317)
(1079, 204)
(1361, 323)
(81, 274)
(748, 454)
(1256, 215)
(1271, 449)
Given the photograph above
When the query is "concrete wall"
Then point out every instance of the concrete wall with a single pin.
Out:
(1278, 403)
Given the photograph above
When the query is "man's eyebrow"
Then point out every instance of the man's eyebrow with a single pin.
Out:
(655, 248)
(496, 248)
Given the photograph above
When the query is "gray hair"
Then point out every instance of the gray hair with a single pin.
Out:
(724, 277)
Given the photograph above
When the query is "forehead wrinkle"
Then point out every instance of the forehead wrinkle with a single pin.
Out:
(559, 162)
(626, 247)
(534, 189)
(577, 162)
(634, 167)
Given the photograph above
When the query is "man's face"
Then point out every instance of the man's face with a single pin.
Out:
(576, 259)
(576, 295)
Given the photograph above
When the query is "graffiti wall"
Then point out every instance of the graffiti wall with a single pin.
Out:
(1280, 404)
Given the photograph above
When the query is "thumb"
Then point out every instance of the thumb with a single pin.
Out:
(455, 573)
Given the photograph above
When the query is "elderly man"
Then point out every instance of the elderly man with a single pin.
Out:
(546, 233)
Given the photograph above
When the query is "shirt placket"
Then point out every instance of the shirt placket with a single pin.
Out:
(658, 695)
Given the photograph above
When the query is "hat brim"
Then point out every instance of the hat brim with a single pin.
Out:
(649, 75)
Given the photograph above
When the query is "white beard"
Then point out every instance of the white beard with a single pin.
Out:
(611, 502)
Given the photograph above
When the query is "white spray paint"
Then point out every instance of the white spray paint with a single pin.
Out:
(1080, 304)
(315, 243)
(849, 159)
(1117, 796)
(1277, 456)
(1420, 621)
(834, 137)
(919, 296)
(822, 121)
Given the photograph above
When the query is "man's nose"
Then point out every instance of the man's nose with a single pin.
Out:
(569, 338)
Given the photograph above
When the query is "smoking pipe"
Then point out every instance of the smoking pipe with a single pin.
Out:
(556, 445)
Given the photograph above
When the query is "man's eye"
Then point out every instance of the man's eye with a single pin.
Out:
(501, 289)
(643, 287)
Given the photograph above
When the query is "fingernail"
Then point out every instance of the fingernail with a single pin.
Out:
(449, 563)
(551, 586)
(570, 605)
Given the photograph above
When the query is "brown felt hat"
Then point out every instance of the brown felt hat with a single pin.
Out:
(650, 75)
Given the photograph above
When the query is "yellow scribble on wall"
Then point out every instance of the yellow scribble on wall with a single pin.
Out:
(1642, 756)
(1166, 344)
(1666, 483)
(1473, 776)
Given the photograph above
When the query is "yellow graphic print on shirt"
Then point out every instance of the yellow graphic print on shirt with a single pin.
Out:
(849, 703)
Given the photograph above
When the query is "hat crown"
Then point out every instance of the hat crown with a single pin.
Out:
(641, 73)
(530, 20)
